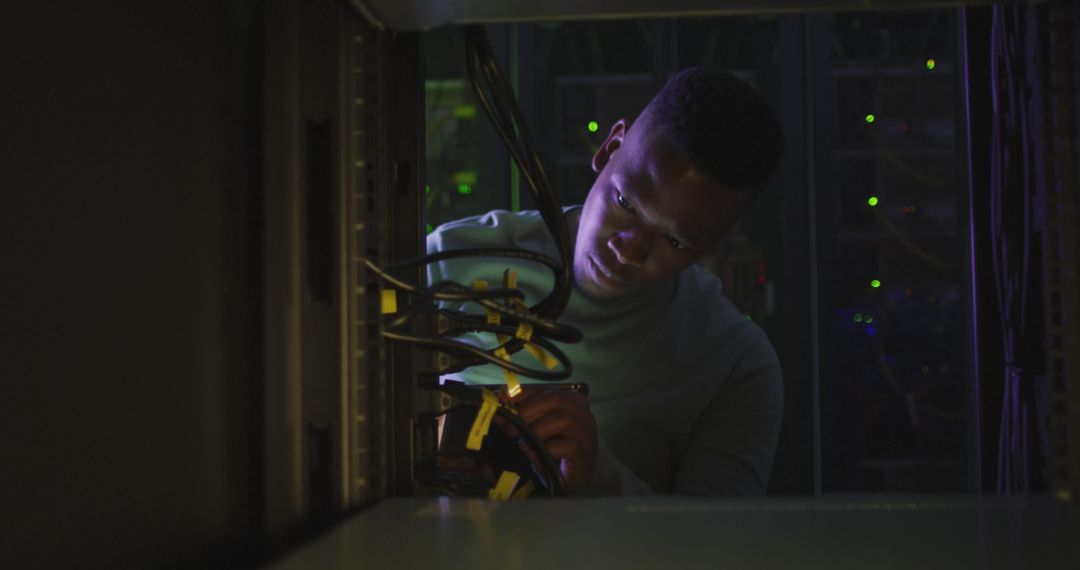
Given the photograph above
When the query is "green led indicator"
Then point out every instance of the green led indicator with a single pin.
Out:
(931, 64)
(875, 283)
(430, 228)
(464, 189)
(858, 317)
(464, 177)
(427, 189)
(873, 201)
(748, 317)
(594, 126)
(465, 111)
(868, 319)
(870, 118)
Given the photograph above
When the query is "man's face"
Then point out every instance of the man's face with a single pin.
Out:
(649, 214)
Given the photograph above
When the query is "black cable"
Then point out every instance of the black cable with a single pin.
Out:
(541, 326)
(457, 484)
(477, 252)
(496, 97)
(507, 118)
(458, 292)
(1011, 189)
(479, 323)
(458, 347)
(485, 298)
(508, 331)
(555, 478)
(554, 483)
(510, 124)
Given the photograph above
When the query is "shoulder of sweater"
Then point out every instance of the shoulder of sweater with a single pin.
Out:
(718, 312)
(495, 228)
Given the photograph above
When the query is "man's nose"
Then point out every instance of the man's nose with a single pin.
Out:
(630, 246)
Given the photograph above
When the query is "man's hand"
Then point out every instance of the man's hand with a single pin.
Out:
(562, 420)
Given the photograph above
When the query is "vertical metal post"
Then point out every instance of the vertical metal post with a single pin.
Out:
(284, 496)
(403, 123)
(796, 470)
(971, 288)
(1061, 239)
(815, 65)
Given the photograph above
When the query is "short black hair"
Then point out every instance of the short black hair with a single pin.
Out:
(722, 125)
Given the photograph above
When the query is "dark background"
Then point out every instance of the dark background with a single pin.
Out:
(135, 421)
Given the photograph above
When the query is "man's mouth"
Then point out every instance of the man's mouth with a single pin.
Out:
(606, 275)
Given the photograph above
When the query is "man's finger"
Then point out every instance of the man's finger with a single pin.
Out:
(551, 401)
(558, 423)
(541, 392)
(565, 448)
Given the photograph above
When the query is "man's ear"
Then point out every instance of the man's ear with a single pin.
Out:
(611, 144)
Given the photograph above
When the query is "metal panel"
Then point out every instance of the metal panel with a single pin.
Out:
(384, 114)
(283, 442)
(1061, 243)
(426, 14)
(916, 532)
(333, 129)
(364, 406)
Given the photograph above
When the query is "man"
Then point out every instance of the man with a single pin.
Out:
(686, 393)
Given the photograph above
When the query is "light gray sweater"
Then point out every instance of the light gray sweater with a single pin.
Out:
(687, 392)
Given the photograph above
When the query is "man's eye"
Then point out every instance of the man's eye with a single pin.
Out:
(623, 202)
(676, 243)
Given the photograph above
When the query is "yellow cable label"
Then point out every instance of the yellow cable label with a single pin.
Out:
(510, 279)
(504, 486)
(523, 492)
(389, 301)
(493, 317)
(513, 386)
(482, 423)
(524, 331)
(542, 355)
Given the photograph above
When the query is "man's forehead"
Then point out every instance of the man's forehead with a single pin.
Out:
(689, 204)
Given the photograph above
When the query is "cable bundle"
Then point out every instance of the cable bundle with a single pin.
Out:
(496, 97)
(1012, 190)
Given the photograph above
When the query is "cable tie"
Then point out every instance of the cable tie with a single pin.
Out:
(510, 282)
(493, 316)
(482, 423)
(524, 331)
(388, 298)
(542, 355)
(513, 386)
(504, 486)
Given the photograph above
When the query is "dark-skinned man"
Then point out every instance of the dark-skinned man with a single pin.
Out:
(686, 394)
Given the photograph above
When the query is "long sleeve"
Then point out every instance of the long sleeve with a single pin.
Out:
(614, 478)
(732, 442)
